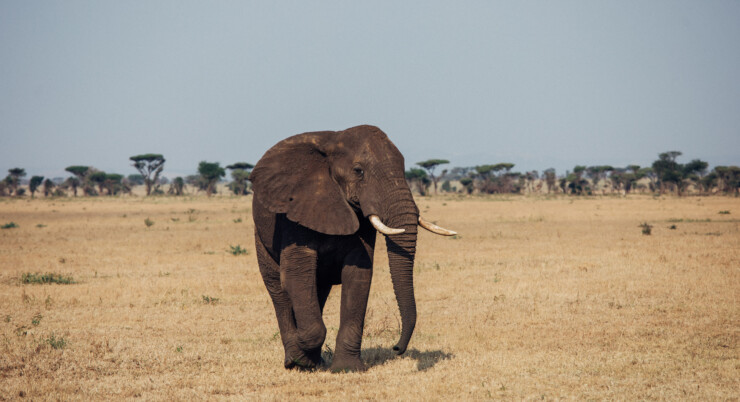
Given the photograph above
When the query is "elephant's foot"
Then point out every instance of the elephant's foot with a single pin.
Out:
(297, 358)
(342, 364)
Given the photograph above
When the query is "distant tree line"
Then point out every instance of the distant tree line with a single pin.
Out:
(89, 181)
(665, 175)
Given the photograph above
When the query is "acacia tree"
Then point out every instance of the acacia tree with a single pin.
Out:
(575, 181)
(114, 184)
(491, 180)
(34, 184)
(728, 179)
(98, 178)
(485, 175)
(652, 176)
(430, 165)
(708, 182)
(598, 173)
(148, 164)
(48, 186)
(211, 173)
(80, 173)
(632, 175)
(531, 178)
(678, 175)
(240, 172)
(176, 186)
(14, 179)
(668, 171)
(550, 178)
(693, 172)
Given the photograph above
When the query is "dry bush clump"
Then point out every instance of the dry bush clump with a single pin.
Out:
(536, 298)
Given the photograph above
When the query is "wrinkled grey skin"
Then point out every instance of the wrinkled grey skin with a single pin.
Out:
(313, 194)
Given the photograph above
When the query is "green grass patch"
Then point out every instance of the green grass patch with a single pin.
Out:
(56, 343)
(210, 300)
(9, 225)
(39, 278)
(238, 250)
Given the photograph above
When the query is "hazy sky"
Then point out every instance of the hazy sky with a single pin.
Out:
(536, 83)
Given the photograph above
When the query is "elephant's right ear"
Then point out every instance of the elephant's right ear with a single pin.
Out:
(294, 178)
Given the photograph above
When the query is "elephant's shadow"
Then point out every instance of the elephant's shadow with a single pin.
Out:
(378, 356)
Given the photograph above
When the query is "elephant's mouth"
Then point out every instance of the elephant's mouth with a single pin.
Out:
(354, 202)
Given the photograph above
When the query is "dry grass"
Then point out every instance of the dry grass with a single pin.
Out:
(537, 298)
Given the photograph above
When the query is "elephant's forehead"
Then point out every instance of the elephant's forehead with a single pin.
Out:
(367, 143)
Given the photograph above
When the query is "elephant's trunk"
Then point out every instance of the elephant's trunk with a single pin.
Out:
(401, 251)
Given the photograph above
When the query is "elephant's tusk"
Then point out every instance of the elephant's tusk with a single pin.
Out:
(378, 225)
(435, 229)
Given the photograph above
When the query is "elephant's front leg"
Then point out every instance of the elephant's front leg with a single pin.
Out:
(356, 278)
(298, 274)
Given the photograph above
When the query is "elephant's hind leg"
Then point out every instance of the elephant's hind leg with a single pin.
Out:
(270, 271)
(298, 264)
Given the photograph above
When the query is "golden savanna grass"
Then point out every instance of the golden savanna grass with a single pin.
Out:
(536, 298)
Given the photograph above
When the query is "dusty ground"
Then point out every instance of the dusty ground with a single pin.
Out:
(537, 298)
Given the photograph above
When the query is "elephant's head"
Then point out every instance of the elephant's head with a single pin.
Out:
(327, 181)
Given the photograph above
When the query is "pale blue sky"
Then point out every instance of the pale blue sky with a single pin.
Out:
(537, 83)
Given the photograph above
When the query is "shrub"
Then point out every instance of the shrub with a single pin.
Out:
(9, 225)
(646, 228)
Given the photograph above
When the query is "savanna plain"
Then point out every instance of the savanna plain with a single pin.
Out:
(536, 298)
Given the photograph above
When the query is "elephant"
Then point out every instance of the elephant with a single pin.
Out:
(319, 198)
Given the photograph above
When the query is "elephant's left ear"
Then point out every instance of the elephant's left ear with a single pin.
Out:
(294, 178)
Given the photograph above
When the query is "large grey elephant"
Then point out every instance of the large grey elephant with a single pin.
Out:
(318, 200)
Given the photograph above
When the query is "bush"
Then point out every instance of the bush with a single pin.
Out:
(646, 228)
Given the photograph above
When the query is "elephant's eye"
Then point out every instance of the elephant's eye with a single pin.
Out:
(358, 171)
